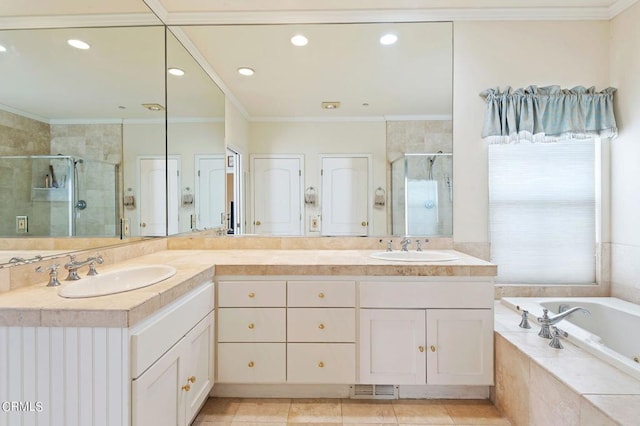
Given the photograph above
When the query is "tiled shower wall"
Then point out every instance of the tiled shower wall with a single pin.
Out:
(95, 181)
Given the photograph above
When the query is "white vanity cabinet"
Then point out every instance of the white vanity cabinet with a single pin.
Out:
(172, 362)
(428, 332)
(252, 331)
(321, 332)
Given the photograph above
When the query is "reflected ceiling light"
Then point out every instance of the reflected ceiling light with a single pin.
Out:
(299, 40)
(246, 71)
(153, 107)
(330, 105)
(176, 71)
(78, 44)
(388, 39)
(2, 48)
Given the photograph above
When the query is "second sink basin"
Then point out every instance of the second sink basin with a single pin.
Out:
(118, 281)
(415, 256)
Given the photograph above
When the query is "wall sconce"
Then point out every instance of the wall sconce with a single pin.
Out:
(379, 198)
(310, 196)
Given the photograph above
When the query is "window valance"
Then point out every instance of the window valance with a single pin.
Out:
(548, 114)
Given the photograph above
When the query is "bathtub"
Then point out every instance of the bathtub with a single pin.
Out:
(611, 332)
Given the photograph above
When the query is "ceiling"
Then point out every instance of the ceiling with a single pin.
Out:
(341, 63)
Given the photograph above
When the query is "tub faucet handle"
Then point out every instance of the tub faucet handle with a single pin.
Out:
(555, 340)
(524, 322)
(545, 331)
(419, 244)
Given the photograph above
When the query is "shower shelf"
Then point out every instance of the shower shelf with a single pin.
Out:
(50, 194)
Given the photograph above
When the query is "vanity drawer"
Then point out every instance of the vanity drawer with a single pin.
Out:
(321, 363)
(321, 325)
(251, 363)
(322, 294)
(252, 293)
(252, 324)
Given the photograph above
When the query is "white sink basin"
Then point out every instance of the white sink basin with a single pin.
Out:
(415, 256)
(117, 281)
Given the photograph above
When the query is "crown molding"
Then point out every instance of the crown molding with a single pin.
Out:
(78, 21)
(620, 6)
(21, 113)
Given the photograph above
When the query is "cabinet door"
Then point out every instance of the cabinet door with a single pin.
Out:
(157, 395)
(197, 350)
(392, 346)
(460, 346)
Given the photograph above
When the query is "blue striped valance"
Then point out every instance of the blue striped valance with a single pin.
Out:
(548, 114)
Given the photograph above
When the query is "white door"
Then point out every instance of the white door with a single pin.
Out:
(392, 346)
(155, 193)
(460, 346)
(345, 195)
(210, 191)
(277, 198)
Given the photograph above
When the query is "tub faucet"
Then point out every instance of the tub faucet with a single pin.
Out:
(73, 265)
(419, 244)
(405, 244)
(546, 321)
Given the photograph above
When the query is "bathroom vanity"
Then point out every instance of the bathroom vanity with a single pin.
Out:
(294, 322)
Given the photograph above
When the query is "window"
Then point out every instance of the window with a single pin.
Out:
(542, 212)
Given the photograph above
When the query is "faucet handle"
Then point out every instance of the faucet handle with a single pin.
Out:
(53, 274)
(524, 322)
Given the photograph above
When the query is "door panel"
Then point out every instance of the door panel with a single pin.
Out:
(210, 191)
(345, 189)
(277, 196)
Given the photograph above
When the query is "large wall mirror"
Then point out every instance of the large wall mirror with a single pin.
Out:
(344, 135)
(68, 117)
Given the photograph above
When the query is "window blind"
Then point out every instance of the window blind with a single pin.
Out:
(542, 212)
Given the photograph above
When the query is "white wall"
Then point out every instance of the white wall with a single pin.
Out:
(625, 156)
(314, 138)
(516, 54)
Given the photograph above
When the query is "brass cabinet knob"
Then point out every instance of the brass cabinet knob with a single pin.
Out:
(251, 364)
(252, 295)
(432, 348)
(364, 223)
(191, 379)
(321, 326)
(258, 223)
(251, 326)
(421, 348)
(321, 364)
(321, 295)
(186, 388)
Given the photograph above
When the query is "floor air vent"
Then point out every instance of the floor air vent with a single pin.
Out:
(374, 392)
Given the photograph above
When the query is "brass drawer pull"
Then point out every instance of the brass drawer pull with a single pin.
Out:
(251, 364)
(186, 388)
(191, 379)
(321, 295)
(321, 326)
(321, 364)
(421, 348)
(252, 295)
(433, 348)
(251, 326)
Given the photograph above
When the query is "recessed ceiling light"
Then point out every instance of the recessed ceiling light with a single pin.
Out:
(246, 71)
(2, 48)
(388, 39)
(153, 107)
(176, 71)
(330, 105)
(299, 40)
(78, 44)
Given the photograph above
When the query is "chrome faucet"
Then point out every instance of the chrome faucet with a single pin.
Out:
(17, 259)
(547, 321)
(405, 244)
(73, 265)
(419, 244)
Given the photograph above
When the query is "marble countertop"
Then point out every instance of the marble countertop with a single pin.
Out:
(38, 305)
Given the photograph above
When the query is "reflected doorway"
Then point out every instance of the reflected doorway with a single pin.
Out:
(235, 200)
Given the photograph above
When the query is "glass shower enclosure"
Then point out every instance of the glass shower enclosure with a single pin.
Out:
(56, 195)
(422, 194)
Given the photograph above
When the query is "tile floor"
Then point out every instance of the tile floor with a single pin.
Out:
(282, 412)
